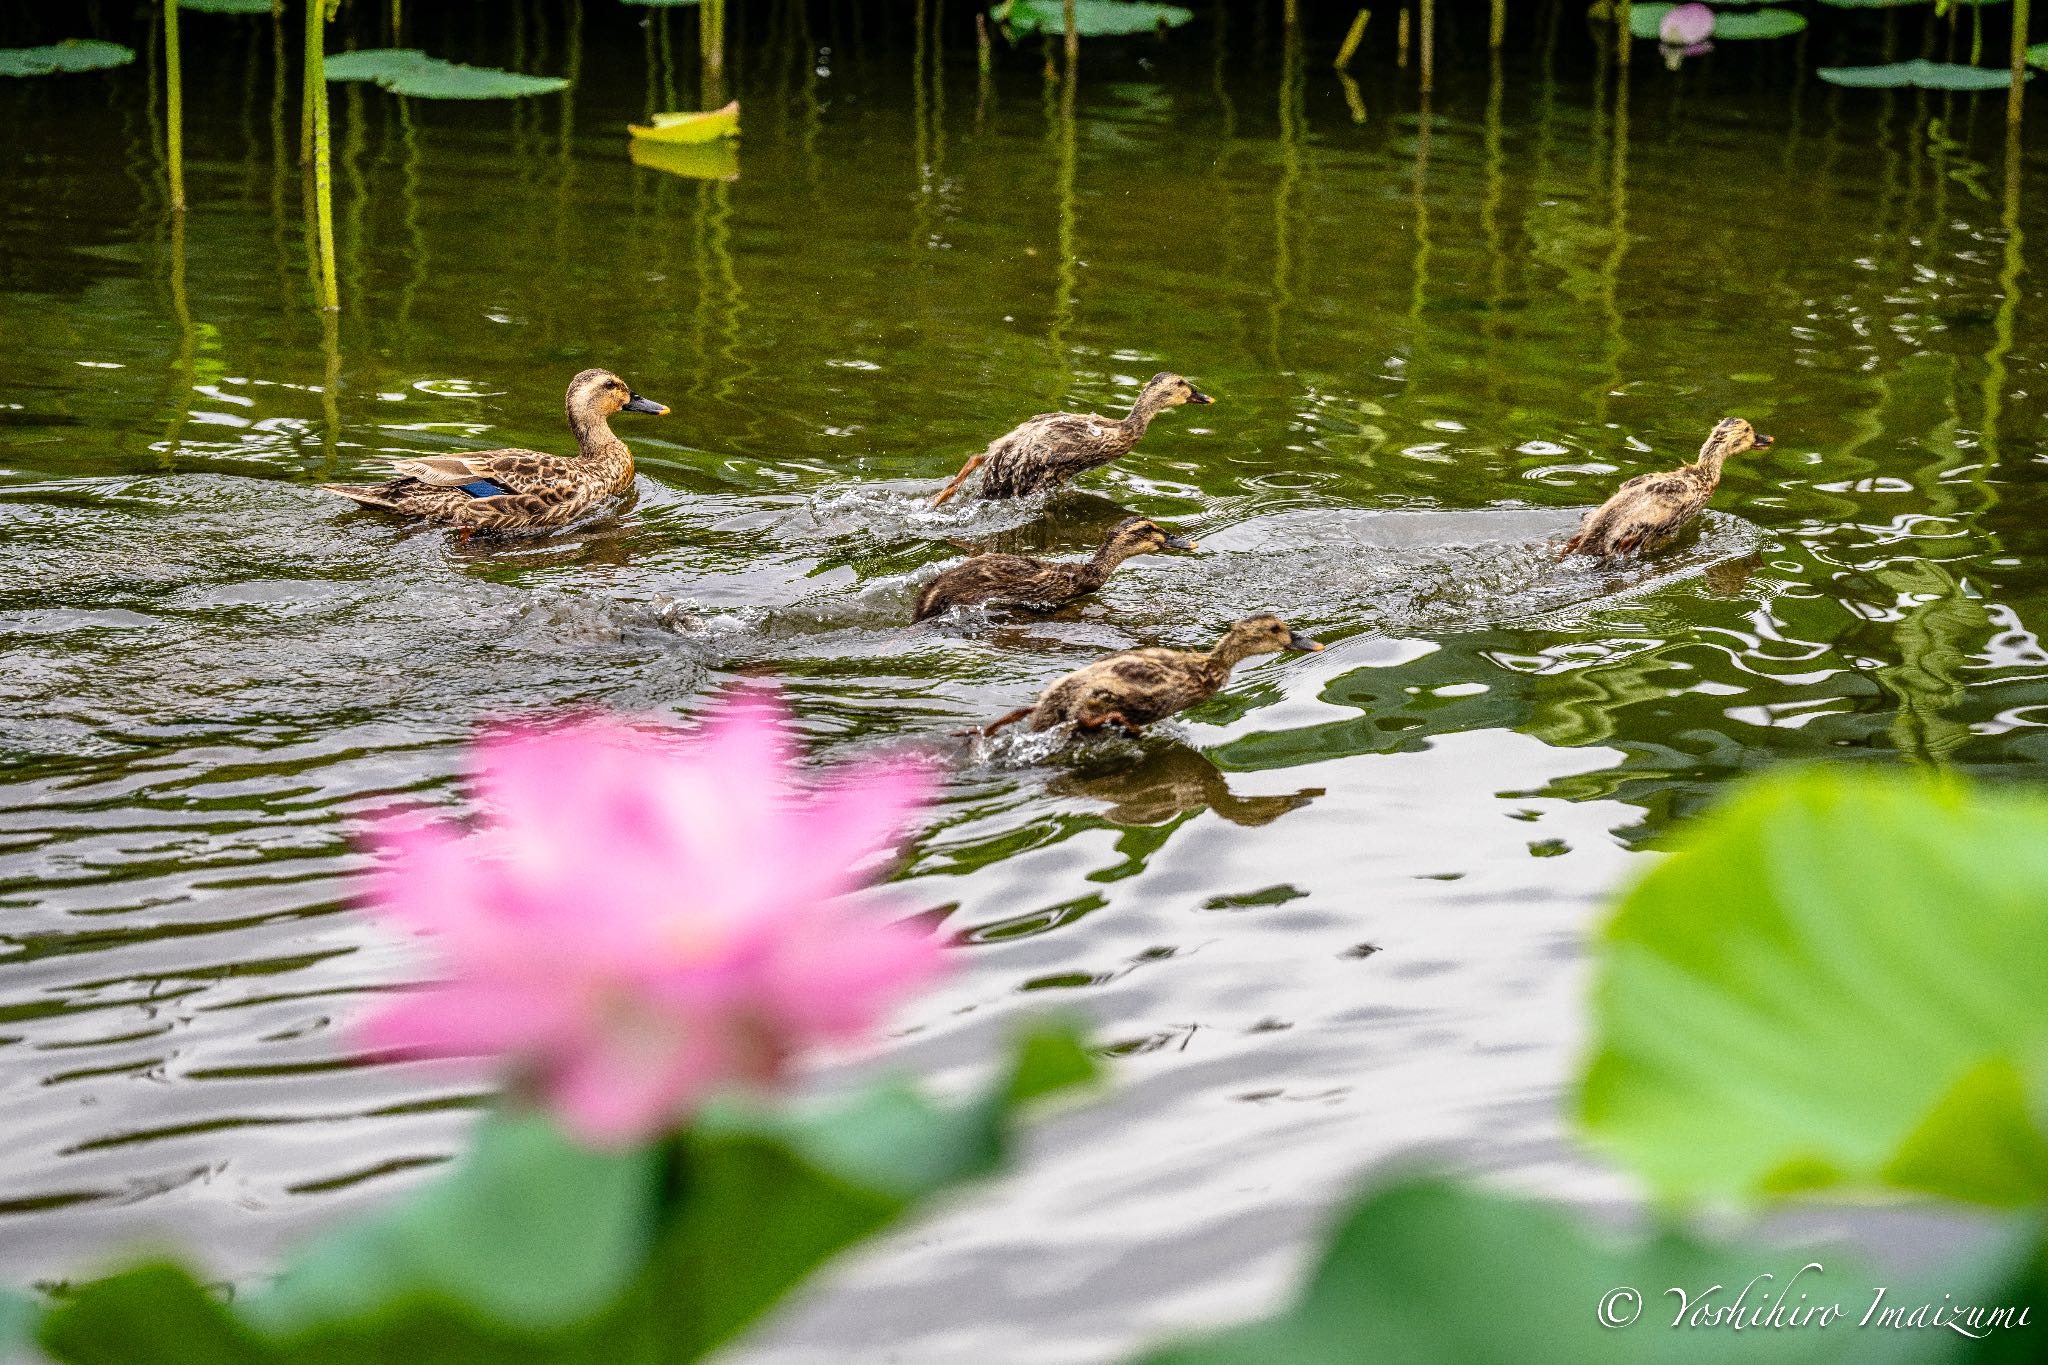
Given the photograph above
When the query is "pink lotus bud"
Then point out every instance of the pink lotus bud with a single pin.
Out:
(1685, 25)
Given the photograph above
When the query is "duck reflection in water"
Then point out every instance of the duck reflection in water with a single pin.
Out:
(1169, 780)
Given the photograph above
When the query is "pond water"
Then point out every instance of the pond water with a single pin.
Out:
(1334, 919)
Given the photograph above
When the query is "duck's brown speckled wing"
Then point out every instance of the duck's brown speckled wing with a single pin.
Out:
(517, 471)
(1644, 514)
(1011, 580)
(1147, 685)
(1048, 450)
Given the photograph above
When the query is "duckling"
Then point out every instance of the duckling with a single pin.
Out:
(1021, 581)
(1132, 689)
(504, 490)
(1646, 513)
(1055, 446)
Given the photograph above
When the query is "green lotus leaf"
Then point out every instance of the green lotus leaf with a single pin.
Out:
(73, 54)
(1924, 74)
(227, 6)
(1838, 981)
(1643, 22)
(408, 71)
(1092, 18)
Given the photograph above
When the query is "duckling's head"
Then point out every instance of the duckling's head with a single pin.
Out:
(1169, 390)
(1732, 436)
(596, 394)
(1143, 536)
(1268, 634)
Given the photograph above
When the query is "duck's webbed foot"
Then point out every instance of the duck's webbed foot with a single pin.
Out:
(999, 722)
(965, 470)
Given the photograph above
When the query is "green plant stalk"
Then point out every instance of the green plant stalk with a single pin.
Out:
(1428, 17)
(711, 50)
(1073, 35)
(2015, 98)
(1497, 30)
(1352, 39)
(174, 92)
(323, 170)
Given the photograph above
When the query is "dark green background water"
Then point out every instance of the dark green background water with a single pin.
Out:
(1333, 918)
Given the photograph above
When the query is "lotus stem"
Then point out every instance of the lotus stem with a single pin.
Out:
(174, 96)
(984, 59)
(1352, 39)
(1401, 40)
(2015, 98)
(1497, 33)
(1623, 37)
(711, 49)
(1073, 35)
(323, 170)
(1428, 45)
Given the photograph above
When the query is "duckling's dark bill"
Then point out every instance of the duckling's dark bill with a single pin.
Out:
(1180, 543)
(1764, 442)
(1197, 396)
(1296, 640)
(638, 404)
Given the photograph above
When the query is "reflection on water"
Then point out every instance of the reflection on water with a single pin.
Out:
(1332, 917)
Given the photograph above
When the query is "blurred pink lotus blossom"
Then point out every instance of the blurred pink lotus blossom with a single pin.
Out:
(646, 923)
(1686, 25)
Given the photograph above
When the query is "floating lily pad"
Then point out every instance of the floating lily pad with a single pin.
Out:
(708, 126)
(1644, 21)
(659, 4)
(408, 71)
(73, 54)
(1093, 18)
(1897, 4)
(1924, 74)
(227, 6)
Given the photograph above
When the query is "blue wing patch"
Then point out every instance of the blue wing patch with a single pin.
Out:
(485, 488)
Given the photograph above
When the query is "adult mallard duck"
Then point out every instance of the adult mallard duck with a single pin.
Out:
(507, 490)
(1021, 581)
(1132, 689)
(1646, 513)
(1055, 446)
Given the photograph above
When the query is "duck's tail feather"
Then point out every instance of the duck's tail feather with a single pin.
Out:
(371, 495)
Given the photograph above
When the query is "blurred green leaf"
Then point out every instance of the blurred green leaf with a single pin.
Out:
(1924, 74)
(1839, 980)
(1092, 18)
(531, 1250)
(528, 1228)
(2037, 56)
(1644, 21)
(73, 54)
(1425, 1272)
(227, 6)
(408, 71)
(17, 1322)
(155, 1312)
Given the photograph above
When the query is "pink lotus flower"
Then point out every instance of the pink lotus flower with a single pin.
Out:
(646, 923)
(1686, 25)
